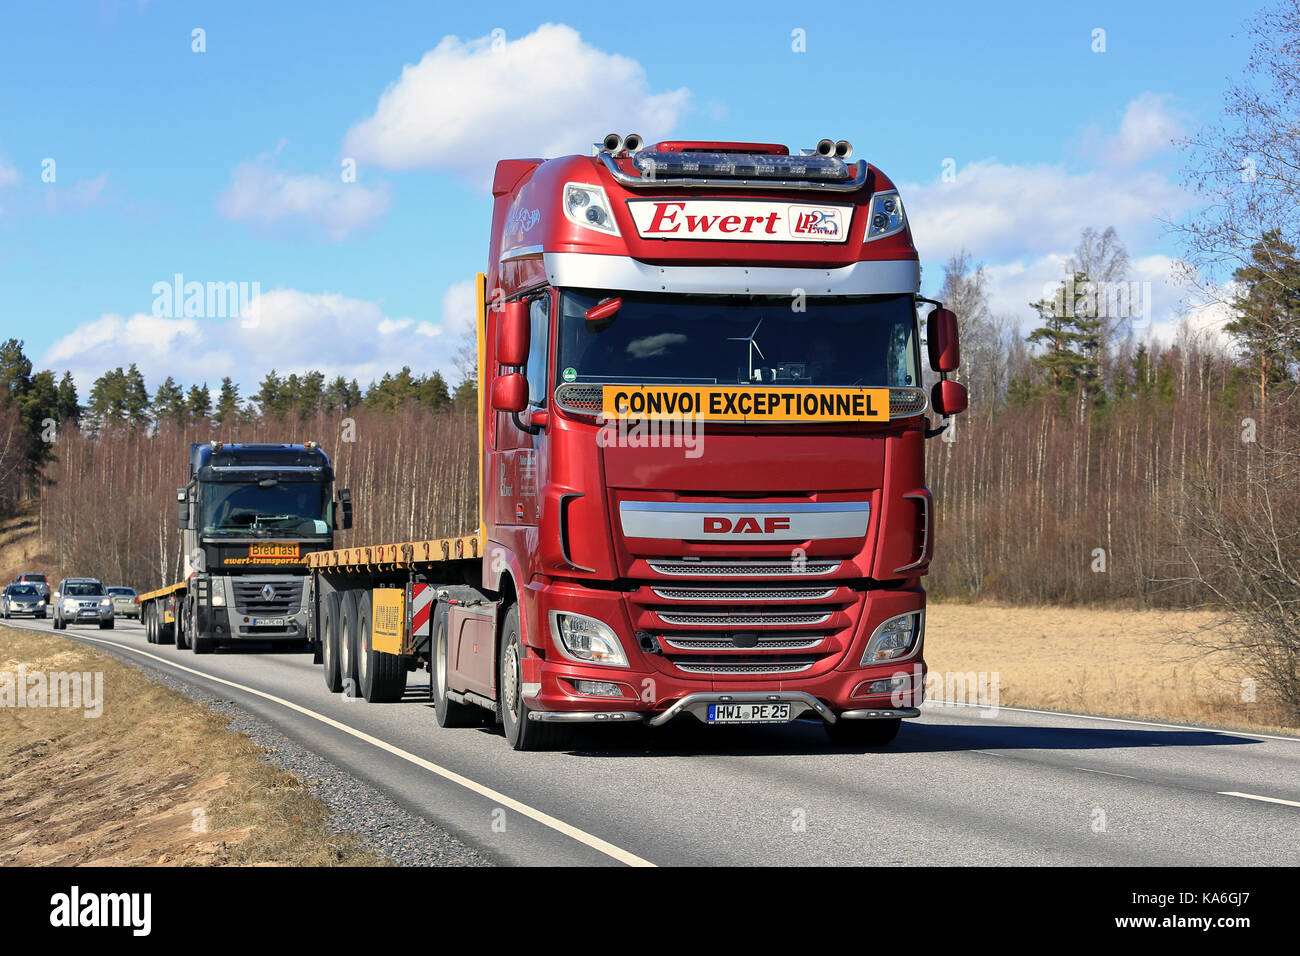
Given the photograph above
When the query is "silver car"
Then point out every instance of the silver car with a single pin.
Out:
(82, 601)
(22, 599)
(126, 603)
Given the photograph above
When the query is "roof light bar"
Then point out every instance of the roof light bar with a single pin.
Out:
(737, 170)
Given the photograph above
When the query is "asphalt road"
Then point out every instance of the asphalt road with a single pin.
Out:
(955, 787)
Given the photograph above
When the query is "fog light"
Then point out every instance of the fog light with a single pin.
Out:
(887, 686)
(597, 688)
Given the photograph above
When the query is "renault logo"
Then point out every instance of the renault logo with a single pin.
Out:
(268, 592)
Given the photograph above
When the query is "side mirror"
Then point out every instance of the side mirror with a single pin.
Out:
(510, 393)
(513, 334)
(941, 340)
(182, 509)
(949, 398)
(344, 519)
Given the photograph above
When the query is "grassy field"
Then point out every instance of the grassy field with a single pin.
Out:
(1122, 663)
(154, 779)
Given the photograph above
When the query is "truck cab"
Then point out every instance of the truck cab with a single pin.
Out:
(703, 486)
(250, 515)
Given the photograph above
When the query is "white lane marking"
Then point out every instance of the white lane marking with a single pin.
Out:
(940, 704)
(1109, 773)
(587, 839)
(1255, 796)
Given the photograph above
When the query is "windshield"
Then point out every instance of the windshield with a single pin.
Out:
(283, 509)
(22, 590)
(84, 589)
(734, 340)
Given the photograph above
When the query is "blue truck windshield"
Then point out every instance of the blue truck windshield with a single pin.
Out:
(283, 509)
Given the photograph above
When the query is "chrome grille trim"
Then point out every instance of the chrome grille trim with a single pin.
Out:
(249, 600)
(677, 567)
(726, 644)
(741, 595)
(794, 667)
(743, 618)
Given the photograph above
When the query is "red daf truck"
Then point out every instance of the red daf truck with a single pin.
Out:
(701, 455)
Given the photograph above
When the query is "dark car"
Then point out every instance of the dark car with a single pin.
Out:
(22, 599)
(38, 581)
(82, 601)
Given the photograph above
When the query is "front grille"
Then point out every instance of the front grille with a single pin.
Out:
(716, 642)
(741, 595)
(766, 618)
(787, 667)
(250, 600)
(734, 568)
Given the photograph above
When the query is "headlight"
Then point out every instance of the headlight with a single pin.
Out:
(587, 206)
(895, 638)
(887, 216)
(107, 602)
(586, 640)
(69, 605)
(218, 597)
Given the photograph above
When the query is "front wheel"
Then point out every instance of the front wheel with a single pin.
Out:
(863, 733)
(105, 625)
(450, 713)
(521, 733)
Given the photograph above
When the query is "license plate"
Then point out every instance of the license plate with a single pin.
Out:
(268, 622)
(749, 713)
(270, 549)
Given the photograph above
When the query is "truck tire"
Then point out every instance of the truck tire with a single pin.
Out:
(449, 713)
(178, 627)
(348, 644)
(166, 633)
(329, 641)
(521, 733)
(382, 677)
(863, 733)
(149, 636)
(198, 643)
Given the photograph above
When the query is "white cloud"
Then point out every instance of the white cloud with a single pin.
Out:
(1148, 127)
(81, 195)
(1002, 212)
(459, 304)
(468, 103)
(8, 174)
(282, 329)
(262, 194)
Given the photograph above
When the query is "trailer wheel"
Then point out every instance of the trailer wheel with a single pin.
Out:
(521, 733)
(863, 733)
(329, 642)
(178, 627)
(450, 713)
(348, 644)
(165, 633)
(146, 618)
(382, 676)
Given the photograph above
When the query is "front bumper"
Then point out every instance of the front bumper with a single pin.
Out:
(35, 610)
(654, 691)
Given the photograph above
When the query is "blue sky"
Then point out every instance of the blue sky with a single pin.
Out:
(224, 165)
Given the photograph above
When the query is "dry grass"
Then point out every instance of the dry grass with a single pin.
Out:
(1119, 663)
(157, 779)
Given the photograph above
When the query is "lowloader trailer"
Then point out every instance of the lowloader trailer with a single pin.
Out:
(250, 516)
(702, 422)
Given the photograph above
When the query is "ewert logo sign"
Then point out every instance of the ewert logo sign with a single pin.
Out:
(739, 220)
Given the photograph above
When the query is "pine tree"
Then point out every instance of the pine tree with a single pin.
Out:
(1267, 326)
(169, 403)
(1069, 336)
(198, 403)
(227, 411)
